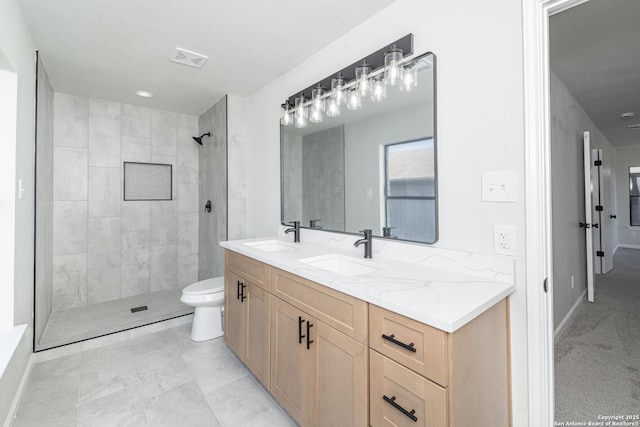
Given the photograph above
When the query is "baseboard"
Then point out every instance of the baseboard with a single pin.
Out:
(615, 250)
(569, 314)
(626, 246)
(18, 396)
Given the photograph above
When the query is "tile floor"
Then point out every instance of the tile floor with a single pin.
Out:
(80, 323)
(159, 379)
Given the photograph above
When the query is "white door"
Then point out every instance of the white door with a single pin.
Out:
(588, 209)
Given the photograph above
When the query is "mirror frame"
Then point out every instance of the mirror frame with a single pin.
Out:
(435, 168)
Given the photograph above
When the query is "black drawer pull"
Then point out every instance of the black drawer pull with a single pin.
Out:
(309, 326)
(238, 297)
(392, 401)
(400, 343)
(242, 295)
(300, 336)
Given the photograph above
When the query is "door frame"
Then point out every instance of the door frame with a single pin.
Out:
(539, 256)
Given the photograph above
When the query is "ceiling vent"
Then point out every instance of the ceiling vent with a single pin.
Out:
(189, 58)
(634, 127)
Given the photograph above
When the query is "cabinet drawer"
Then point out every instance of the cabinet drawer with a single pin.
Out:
(400, 397)
(255, 271)
(340, 311)
(427, 354)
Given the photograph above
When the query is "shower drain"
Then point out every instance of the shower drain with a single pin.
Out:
(141, 308)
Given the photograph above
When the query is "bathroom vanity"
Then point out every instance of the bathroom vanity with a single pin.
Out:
(415, 336)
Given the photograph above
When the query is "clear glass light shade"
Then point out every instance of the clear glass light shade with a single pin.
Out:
(286, 114)
(392, 67)
(354, 102)
(409, 79)
(378, 91)
(337, 90)
(363, 82)
(301, 112)
(317, 105)
(333, 106)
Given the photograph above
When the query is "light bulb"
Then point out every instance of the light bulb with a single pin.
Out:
(333, 107)
(337, 89)
(354, 102)
(286, 116)
(392, 68)
(379, 91)
(363, 83)
(409, 78)
(301, 112)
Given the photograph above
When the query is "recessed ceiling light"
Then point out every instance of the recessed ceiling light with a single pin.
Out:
(144, 93)
(634, 127)
(627, 116)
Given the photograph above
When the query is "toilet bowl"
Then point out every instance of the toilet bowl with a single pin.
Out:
(207, 296)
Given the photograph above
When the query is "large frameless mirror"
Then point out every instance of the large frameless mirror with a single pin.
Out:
(358, 158)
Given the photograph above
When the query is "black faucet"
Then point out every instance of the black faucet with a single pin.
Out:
(296, 231)
(368, 242)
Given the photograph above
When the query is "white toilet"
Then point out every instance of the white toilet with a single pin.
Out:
(207, 296)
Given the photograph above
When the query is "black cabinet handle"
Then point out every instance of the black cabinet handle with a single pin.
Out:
(392, 401)
(242, 295)
(585, 225)
(238, 297)
(400, 343)
(613, 216)
(596, 225)
(300, 336)
(309, 326)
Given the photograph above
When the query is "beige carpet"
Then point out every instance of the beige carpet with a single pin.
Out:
(597, 356)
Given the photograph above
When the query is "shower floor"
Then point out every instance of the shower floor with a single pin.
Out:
(81, 323)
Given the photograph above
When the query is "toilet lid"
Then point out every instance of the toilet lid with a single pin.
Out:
(207, 286)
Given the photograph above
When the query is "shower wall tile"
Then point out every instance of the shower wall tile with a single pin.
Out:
(188, 149)
(103, 284)
(188, 122)
(135, 252)
(104, 141)
(69, 227)
(136, 121)
(136, 216)
(163, 223)
(104, 243)
(69, 281)
(188, 191)
(187, 270)
(99, 107)
(136, 149)
(70, 120)
(163, 267)
(129, 288)
(70, 170)
(187, 234)
(105, 188)
(164, 126)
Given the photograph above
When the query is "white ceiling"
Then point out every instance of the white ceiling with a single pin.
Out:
(107, 49)
(595, 51)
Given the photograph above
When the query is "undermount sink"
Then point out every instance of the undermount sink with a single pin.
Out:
(271, 245)
(340, 264)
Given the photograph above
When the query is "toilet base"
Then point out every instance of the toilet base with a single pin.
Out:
(207, 323)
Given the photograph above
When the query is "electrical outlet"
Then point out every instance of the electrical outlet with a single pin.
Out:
(573, 282)
(504, 239)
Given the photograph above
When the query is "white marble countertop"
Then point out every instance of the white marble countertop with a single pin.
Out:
(444, 289)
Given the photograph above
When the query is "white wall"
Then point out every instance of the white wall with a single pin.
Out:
(479, 123)
(626, 157)
(568, 123)
(17, 46)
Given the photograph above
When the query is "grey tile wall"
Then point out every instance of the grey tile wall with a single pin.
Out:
(105, 248)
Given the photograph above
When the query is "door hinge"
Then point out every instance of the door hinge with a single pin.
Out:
(599, 208)
(545, 285)
(598, 163)
(599, 253)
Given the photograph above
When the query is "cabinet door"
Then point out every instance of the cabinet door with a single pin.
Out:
(289, 359)
(233, 313)
(339, 372)
(256, 341)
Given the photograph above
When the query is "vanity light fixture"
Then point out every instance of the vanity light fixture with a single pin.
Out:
(409, 79)
(351, 84)
(286, 114)
(392, 68)
(301, 112)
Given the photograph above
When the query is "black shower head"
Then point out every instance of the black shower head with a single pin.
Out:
(198, 139)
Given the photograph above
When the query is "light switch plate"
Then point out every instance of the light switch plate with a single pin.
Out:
(499, 186)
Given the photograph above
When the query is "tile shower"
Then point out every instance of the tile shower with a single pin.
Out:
(100, 255)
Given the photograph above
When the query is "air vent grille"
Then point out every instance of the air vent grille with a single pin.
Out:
(189, 58)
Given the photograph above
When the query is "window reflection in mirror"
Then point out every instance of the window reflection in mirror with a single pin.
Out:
(374, 167)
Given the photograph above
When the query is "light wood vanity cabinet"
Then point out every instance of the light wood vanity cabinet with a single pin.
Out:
(246, 326)
(322, 355)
